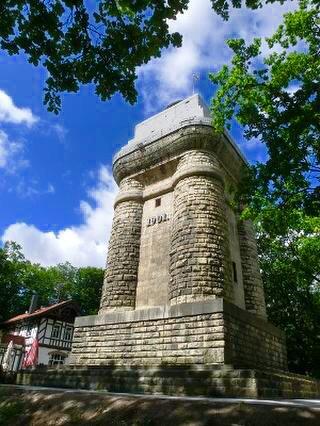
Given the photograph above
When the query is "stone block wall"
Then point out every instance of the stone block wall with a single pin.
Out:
(251, 341)
(252, 281)
(186, 340)
(198, 264)
(199, 253)
(202, 333)
(120, 282)
(219, 381)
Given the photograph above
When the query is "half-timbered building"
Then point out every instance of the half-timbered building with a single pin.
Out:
(50, 327)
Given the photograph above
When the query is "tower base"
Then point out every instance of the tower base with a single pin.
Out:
(210, 348)
(207, 333)
(180, 380)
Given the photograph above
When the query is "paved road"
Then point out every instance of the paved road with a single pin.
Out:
(309, 403)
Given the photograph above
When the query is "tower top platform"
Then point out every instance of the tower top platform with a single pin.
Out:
(172, 117)
(190, 111)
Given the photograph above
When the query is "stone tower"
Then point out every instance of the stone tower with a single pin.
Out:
(182, 309)
(175, 239)
(182, 282)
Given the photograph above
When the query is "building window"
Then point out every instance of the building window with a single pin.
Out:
(68, 333)
(57, 359)
(29, 328)
(158, 202)
(234, 272)
(55, 332)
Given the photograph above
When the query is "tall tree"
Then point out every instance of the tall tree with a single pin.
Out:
(19, 279)
(87, 289)
(277, 98)
(289, 259)
(12, 271)
(79, 44)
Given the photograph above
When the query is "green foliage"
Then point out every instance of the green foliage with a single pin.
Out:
(12, 271)
(87, 289)
(277, 100)
(19, 279)
(290, 263)
(80, 46)
(103, 46)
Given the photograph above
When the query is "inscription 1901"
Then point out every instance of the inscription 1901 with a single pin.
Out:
(164, 217)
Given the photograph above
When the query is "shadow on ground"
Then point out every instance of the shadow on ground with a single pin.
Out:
(19, 407)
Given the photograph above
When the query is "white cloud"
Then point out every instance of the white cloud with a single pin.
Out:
(254, 149)
(11, 150)
(293, 88)
(203, 49)
(10, 153)
(51, 189)
(60, 131)
(10, 113)
(81, 245)
(4, 149)
(31, 188)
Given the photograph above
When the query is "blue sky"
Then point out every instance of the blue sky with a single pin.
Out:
(56, 189)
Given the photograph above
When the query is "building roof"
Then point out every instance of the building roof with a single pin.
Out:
(43, 311)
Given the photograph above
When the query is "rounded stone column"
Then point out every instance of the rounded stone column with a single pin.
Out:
(252, 282)
(199, 255)
(120, 282)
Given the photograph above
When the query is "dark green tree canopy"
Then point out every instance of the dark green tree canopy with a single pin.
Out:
(80, 45)
(277, 100)
(19, 279)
